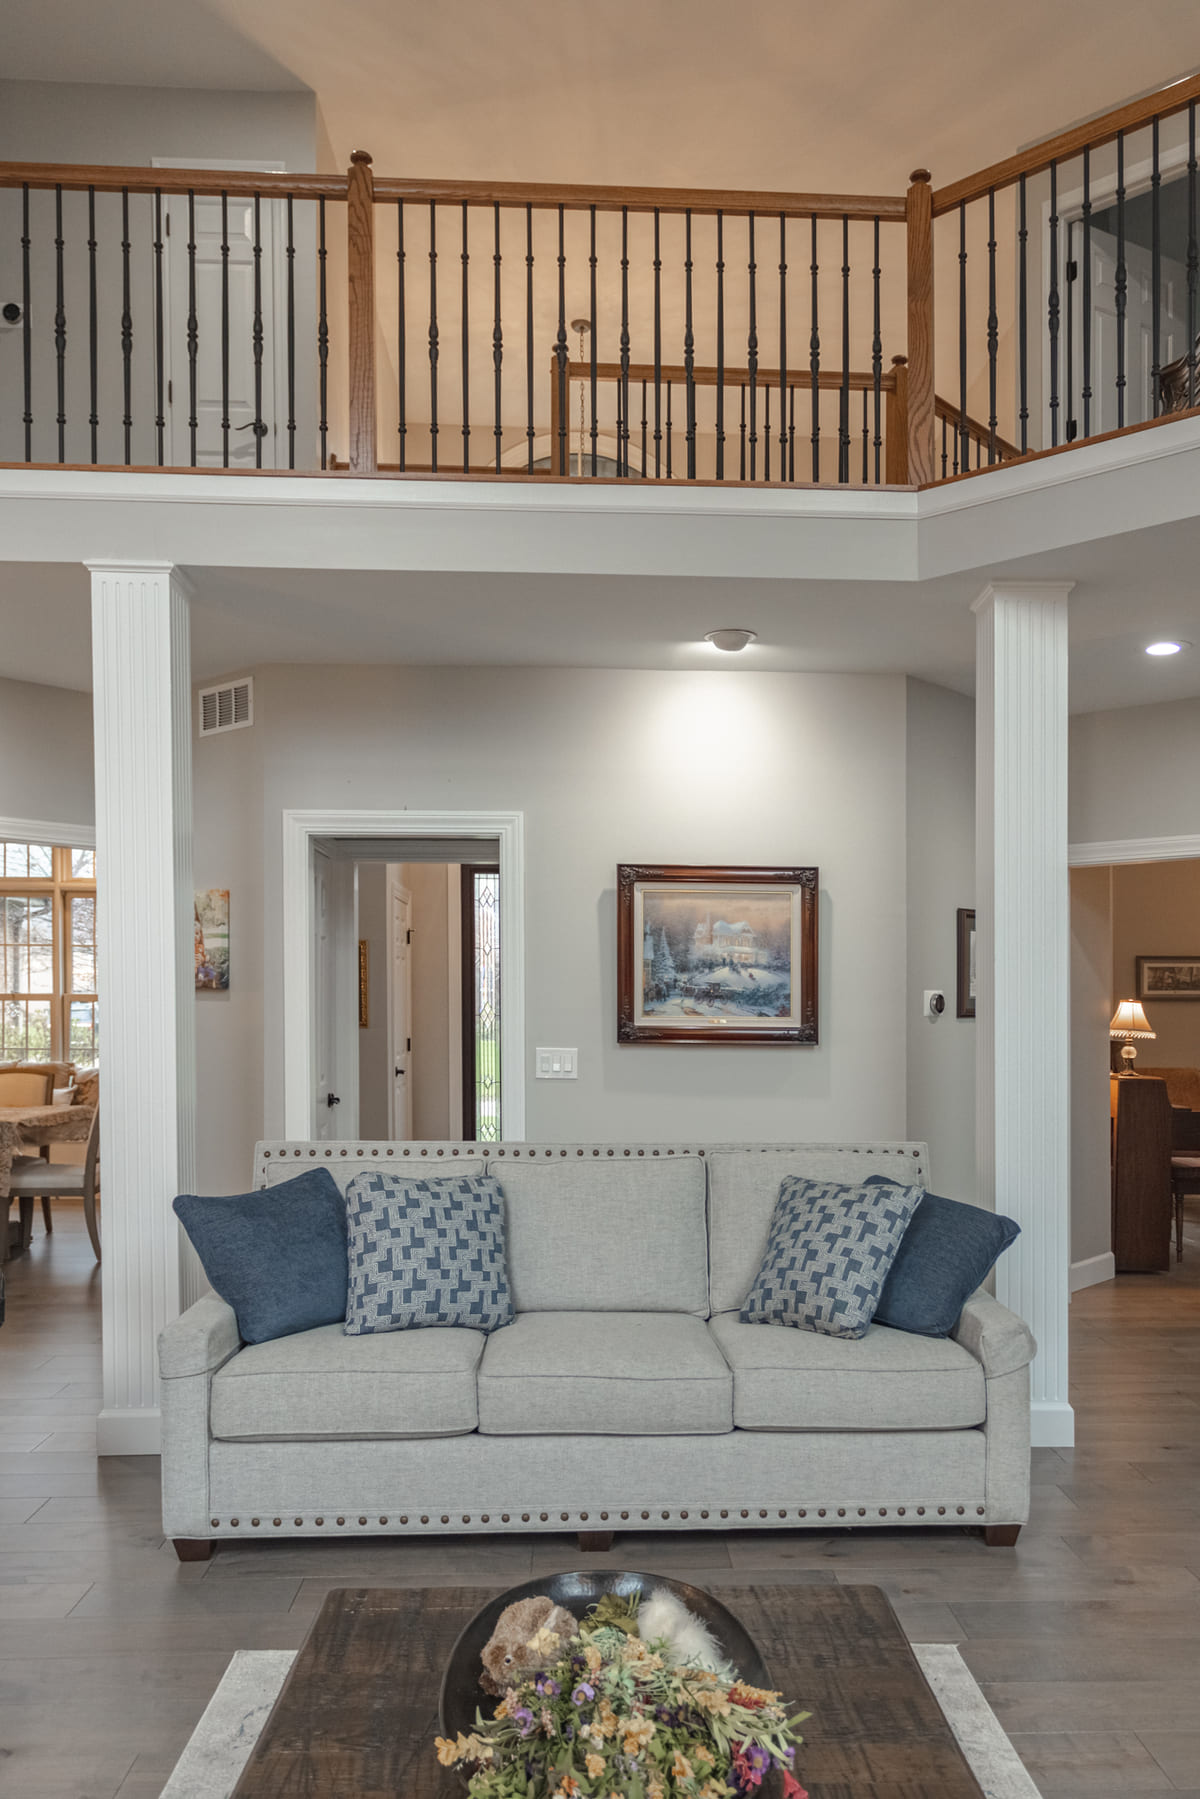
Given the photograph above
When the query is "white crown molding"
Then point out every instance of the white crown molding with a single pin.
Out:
(299, 830)
(1132, 849)
(36, 830)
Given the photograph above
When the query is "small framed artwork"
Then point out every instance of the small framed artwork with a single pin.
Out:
(1168, 977)
(716, 955)
(212, 940)
(364, 978)
(966, 962)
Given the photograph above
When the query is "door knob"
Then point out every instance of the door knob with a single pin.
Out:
(331, 1099)
(399, 1071)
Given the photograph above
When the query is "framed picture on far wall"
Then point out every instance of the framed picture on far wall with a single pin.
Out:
(966, 962)
(212, 940)
(716, 955)
(1168, 977)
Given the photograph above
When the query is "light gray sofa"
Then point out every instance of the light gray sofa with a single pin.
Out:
(626, 1393)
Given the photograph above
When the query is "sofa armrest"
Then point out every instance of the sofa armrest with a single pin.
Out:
(996, 1337)
(200, 1341)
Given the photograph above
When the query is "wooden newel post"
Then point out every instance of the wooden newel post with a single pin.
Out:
(919, 218)
(360, 247)
(895, 425)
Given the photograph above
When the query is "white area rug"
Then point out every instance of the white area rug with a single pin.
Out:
(221, 1743)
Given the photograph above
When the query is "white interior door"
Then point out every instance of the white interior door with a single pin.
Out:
(1139, 330)
(399, 904)
(325, 1096)
(236, 231)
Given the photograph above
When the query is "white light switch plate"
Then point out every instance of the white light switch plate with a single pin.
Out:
(557, 1064)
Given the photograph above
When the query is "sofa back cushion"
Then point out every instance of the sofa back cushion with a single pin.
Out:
(744, 1186)
(590, 1234)
(359, 1158)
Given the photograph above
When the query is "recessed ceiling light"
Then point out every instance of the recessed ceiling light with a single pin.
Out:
(1169, 646)
(731, 638)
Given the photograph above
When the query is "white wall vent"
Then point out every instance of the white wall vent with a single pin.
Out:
(226, 708)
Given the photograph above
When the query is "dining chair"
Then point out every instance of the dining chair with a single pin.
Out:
(1185, 1165)
(34, 1179)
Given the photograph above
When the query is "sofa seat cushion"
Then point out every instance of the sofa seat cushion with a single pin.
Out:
(321, 1384)
(787, 1379)
(604, 1373)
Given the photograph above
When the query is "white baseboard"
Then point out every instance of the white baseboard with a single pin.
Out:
(129, 1433)
(1092, 1270)
(1051, 1425)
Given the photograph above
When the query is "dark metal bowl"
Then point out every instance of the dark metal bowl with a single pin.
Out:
(462, 1696)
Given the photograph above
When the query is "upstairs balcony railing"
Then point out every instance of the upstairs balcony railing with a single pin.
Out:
(206, 318)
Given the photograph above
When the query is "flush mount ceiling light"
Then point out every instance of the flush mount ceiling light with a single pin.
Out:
(1168, 646)
(731, 638)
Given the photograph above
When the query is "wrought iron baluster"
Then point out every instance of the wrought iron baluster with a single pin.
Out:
(1022, 321)
(60, 326)
(814, 361)
(433, 339)
(645, 427)
(752, 350)
(877, 358)
(466, 353)
(668, 429)
(26, 324)
(791, 431)
(529, 335)
(193, 328)
(593, 335)
(322, 334)
(126, 326)
(943, 447)
(783, 385)
(689, 347)
(866, 436)
(720, 346)
(1052, 304)
(93, 332)
(225, 330)
(844, 407)
(657, 349)
(561, 352)
(1193, 254)
(1155, 273)
(497, 341)
(160, 416)
(401, 337)
(962, 334)
(623, 445)
(993, 326)
(1086, 334)
(742, 432)
(1121, 280)
(766, 431)
(291, 331)
(257, 334)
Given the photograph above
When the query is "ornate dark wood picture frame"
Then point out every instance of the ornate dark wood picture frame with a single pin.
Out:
(716, 955)
(1168, 977)
(966, 962)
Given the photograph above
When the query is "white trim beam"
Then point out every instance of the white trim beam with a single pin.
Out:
(1023, 962)
(299, 829)
(1133, 849)
(36, 830)
(143, 742)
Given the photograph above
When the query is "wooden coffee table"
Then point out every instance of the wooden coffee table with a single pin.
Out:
(357, 1715)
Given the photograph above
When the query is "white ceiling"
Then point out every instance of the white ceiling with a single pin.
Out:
(1129, 590)
(784, 93)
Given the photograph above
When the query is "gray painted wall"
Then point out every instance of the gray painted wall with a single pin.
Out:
(1135, 773)
(51, 121)
(46, 754)
(940, 748)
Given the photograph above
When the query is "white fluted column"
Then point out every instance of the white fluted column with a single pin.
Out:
(1023, 965)
(142, 705)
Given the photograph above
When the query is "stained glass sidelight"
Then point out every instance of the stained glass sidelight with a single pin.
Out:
(486, 1003)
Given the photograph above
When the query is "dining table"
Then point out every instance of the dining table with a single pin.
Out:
(25, 1129)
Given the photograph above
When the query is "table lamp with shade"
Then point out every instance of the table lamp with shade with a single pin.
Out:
(1130, 1022)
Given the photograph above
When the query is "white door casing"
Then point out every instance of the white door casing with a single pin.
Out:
(299, 828)
(400, 1019)
(324, 1048)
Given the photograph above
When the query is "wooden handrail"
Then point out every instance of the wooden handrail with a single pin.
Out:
(1089, 135)
(573, 197)
(829, 380)
(110, 178)
(978, 432)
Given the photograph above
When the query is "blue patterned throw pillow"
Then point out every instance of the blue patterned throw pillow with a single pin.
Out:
(828, 1255)
(426, 1253)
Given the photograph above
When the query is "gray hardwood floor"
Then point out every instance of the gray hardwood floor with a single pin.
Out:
(1085, 1638)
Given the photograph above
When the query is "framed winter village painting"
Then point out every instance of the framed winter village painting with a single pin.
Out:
(716, 955)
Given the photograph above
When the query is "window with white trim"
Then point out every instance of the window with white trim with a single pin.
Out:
(48, 1004)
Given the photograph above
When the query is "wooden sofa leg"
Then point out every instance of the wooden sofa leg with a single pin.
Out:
(595, 1541)
(193, 1549)
(1001, 1536)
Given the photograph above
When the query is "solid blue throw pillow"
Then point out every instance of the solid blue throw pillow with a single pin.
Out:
(947, 1251)
(278, 1257)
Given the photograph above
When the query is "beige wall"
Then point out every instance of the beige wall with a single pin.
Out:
(373, 1040)
(1091, 1009)
(46, 754)
(941, 878)
(429, 1063)
(1156, 912)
